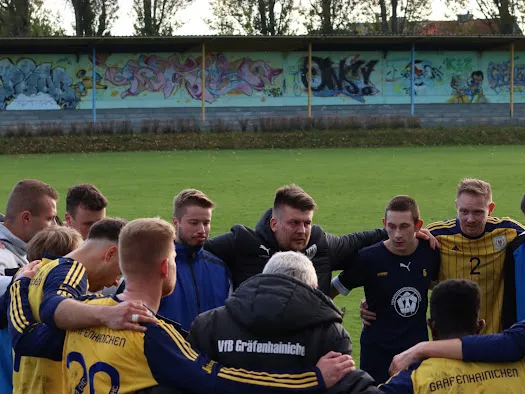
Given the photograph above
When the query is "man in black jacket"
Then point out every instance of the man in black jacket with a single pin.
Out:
(277, 318)
(288, 226)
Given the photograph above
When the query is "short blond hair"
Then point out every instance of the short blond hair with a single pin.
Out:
(57, 241)
(142, 242)
(188, 198)
(476, 187)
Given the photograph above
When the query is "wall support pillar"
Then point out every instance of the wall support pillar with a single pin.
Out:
(412, 80)
(309, 80)
(94, 83)
(512, 80)
(203, 82)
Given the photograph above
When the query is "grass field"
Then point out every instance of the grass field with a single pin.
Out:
(351, 186)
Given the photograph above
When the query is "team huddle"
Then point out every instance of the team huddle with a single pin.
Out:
(104, 305)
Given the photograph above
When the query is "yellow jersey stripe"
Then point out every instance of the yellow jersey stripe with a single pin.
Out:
(268, 384)
(187, 346)
(179, 341)
(249, 375)
(20, 308)
(439, 225)
(70, 273)
(274, 375)
(78, 275)
(15, 318)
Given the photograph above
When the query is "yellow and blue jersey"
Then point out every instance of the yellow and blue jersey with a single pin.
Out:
(33, 303)
(444, 376)
(480, 259)
(105, 360)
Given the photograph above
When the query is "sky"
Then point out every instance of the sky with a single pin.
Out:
(194, 15)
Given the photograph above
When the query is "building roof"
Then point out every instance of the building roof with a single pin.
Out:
(369, 42)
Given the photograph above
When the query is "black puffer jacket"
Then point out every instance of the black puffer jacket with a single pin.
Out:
(247, 251)
(271, 322)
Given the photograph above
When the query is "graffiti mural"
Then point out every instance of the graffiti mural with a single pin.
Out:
(426, 76)
(168, 75)
(27, 85)
(350, 77)
(467, 90)
(498, 75)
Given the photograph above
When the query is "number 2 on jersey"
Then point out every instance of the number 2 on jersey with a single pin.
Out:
(475, 267)
(89, 376)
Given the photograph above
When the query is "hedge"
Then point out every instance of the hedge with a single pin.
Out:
(262, 140)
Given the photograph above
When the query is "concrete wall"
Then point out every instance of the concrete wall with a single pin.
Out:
(139, 86)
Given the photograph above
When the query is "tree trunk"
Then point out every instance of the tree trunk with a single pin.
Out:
(148, 22)
(326, 12)
(384, 20)
(506, 20)
(262, 12)
(395, 27)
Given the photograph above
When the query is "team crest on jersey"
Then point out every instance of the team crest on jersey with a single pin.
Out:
(499, 242)
(311, 251)
(406, 301)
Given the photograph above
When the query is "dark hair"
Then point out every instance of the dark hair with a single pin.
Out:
(27, 196)
(107, 229)
(87, 195)
(478, 73)
(295, 197)
(190, 197)
(454, 307)
(523, 204)
(403, 204)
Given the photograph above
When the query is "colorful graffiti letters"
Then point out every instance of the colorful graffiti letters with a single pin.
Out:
(351, 77)
(168, 75)
(26, 85)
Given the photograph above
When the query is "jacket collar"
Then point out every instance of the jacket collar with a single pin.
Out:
(186, 252)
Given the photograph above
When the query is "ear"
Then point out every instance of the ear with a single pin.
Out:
(491, 208)
(384, 222)
(432, 325)
(273, 223)
(456, 205)
(480, 326)
(26, 217)
(67, 218)
(175, 222)
(111, 254)
(164, 268)
(419, 224)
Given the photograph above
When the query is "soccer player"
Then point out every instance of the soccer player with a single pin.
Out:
(104, 360)
(288, 226)
(31, 207)
(396, 275)
(56, 282)
(203, 280)
(473, 246)
(85, 205)
(454, 313)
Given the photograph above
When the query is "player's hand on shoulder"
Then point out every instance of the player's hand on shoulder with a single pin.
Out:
(28, 271)
(403, 360)
(427, 235)
(127, 315)
(367, 317)
(335, 366)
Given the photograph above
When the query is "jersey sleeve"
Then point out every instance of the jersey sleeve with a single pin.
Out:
(66, 280)
(353, 276)
(507, 346)
(342, 248)
(28, 337)
(173, 362)
(401, 383)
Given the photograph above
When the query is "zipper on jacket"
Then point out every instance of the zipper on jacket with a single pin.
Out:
(195, 283)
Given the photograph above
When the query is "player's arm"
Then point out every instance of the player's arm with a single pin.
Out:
(28, 337)
(509, 305)
(400, 383)
(507, 346)
(342, 248)
(353, 276)
(173, 362)
(222, 246)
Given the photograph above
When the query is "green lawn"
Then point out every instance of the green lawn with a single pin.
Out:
(351, 186)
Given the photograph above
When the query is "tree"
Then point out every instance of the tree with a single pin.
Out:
(329, 16)
(158, 17)
(34, 20)
(396, 16)
(94, 17)
(500, 15)
(264, 17)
